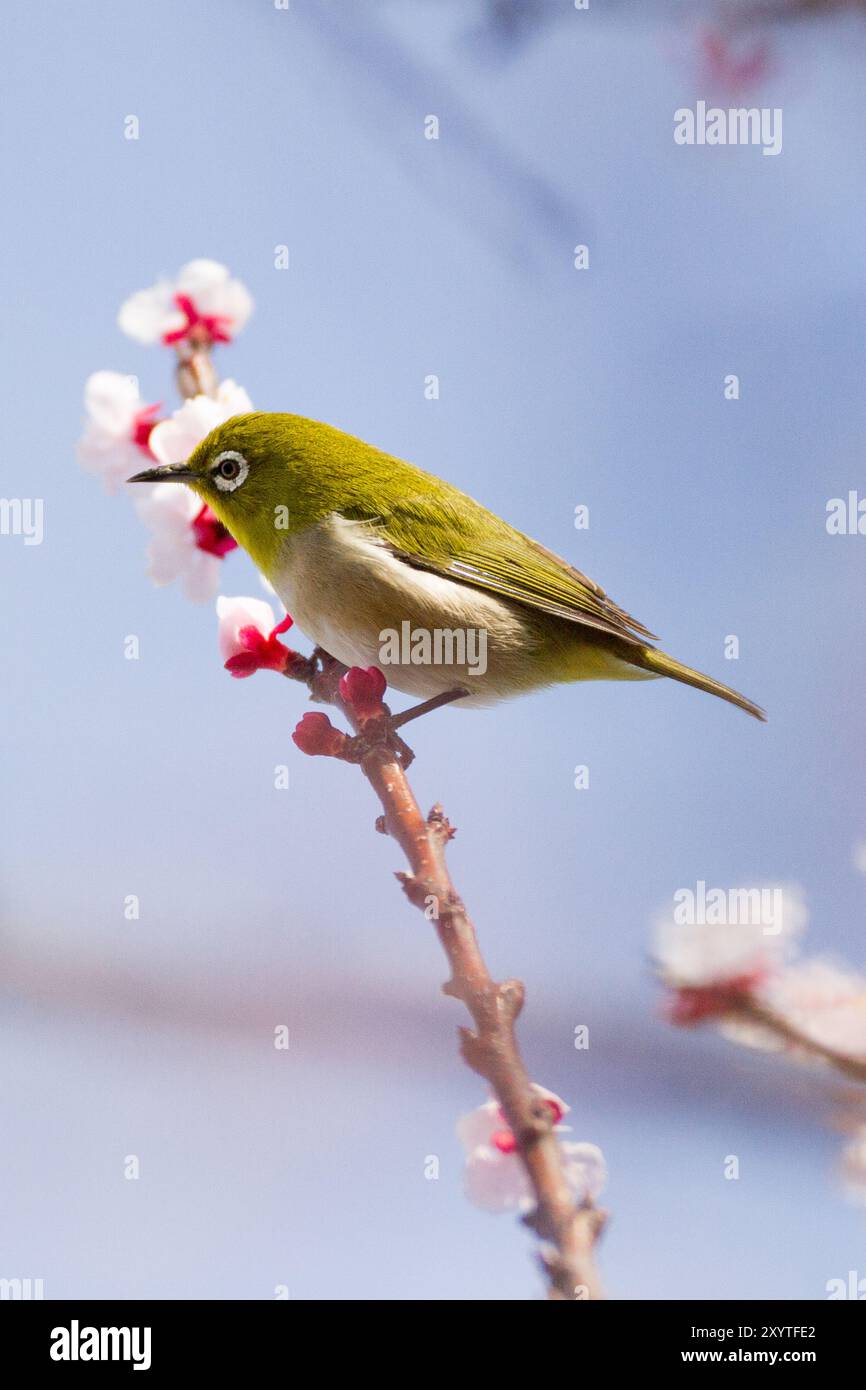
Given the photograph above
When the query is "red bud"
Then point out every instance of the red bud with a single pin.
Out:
(363, 690)
(317, 736)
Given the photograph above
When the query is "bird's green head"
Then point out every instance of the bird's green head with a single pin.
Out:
(248, 471)
(268, 476)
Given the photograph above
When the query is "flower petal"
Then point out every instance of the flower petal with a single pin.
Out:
(237, 613)
(146, 315)
(478, 1126)
(112, 400)
(706, 953)
(585, 1169)
(497, 1182)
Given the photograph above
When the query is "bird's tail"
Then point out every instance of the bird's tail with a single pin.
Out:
(660, 664)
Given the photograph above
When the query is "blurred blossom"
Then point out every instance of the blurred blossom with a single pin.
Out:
(854, 1168)
(117, 430)
(823, 1002)
(860, 857)
(495, 1178)
(733, 65)
(202, 305)
(173, 440)
(703, 954)
(691, 1004)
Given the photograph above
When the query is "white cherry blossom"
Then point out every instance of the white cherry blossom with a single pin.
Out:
(115, 442)
(495, 1178)
(202, 304)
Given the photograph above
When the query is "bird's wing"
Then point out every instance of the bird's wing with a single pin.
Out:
(469, 544)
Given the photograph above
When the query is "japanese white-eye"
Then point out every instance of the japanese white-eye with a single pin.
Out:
(385, 565)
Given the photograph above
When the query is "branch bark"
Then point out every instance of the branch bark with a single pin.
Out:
(569, 1231)
(790, 1037)
(195, 373)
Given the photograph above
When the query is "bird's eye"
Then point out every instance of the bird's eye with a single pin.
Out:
(229, 470)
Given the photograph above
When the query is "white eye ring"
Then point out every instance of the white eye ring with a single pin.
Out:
(229, 470)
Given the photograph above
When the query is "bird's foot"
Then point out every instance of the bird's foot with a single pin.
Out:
(380, 729)
(378, 732)
(447, 697)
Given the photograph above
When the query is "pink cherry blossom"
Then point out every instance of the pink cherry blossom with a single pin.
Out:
(713, 967)
(495, 1178)
(247, 636)
(188, 541)
(824, 1003)
(174, 516)
(174, 439)
(734, 66)
(691, 1004)
(202, 305)
(118, 428)
(708, 953)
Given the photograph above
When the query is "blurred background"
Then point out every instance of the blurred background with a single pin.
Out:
(304, 126)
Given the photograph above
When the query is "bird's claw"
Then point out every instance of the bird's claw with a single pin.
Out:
(378, 732)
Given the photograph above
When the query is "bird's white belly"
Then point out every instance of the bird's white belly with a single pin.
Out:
(426, 633)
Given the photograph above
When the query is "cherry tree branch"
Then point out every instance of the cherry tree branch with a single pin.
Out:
(735, 1002)
(195, 373)
(752, 1011)
(568, 1230)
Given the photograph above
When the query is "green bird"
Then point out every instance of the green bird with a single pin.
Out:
(382, 564)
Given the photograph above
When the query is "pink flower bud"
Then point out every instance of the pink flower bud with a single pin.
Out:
(363, 690)
(317, 736)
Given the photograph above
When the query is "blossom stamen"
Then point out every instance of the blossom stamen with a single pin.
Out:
(199, 328)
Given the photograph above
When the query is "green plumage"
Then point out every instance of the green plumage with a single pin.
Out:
(348, 531)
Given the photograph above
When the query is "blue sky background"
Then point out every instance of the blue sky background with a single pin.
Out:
(261, 127)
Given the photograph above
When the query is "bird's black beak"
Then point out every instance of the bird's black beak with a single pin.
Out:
(165, 473)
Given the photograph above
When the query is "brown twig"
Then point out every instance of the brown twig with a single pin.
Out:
(195, 372)
(736, 1002)
(569, 1231)
(749, 1010)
